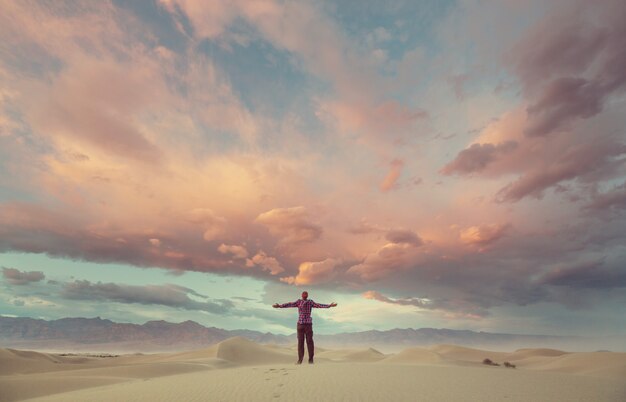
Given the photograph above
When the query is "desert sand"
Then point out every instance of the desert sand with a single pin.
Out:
(240, 370)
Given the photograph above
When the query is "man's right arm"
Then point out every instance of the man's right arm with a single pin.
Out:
(285, 305)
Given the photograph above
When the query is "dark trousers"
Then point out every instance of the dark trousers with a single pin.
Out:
(305, 331)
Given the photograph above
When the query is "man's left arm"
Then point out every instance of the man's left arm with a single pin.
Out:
(320, 305)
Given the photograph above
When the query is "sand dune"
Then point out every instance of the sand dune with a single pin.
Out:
(26, 362)
(526, 353)
(463, 354)
(242, 351)
(352, 355)
(415, 356)
(601, 364)
(241, 370)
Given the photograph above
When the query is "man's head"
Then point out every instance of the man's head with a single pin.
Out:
(305, 295)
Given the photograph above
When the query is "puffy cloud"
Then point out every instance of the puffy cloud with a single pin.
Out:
(292, 225)
(234, 250)
(166, 295)
(17, 277)
(403, 236)
(477, 157)
(392, 177)
(270, 264)
(483, 235)
(315, 272)
(389, 259)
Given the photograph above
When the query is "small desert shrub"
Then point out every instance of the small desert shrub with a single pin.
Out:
(489, 362)
(509, 365)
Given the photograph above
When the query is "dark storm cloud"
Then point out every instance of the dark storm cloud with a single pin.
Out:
(166, 295)
(34, 229)
(592, 274)
(594, 156)
(614, 199)
(17, 277)
(572, 63)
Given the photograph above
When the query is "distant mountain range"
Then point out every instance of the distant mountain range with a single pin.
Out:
(105, 335)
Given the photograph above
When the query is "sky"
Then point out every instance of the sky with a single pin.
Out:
(446, 164)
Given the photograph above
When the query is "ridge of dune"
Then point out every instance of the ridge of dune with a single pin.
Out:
(192, 355)
(353, 355)
(465, 354)
(415, 356)
(537, 352)
(14, 361)
(239, 350)
(600, 364)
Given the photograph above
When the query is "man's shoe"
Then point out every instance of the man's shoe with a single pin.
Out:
(310, 361)
(299, 362)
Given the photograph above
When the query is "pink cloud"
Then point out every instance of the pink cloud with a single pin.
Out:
(209, 20)
(34, 229)
(234, 250)
(291, 225)
(314, 272)
(389, 259)
(574, 162)
(392, 177)
(477, 157)
(388, 121)
(266, 262)
(570, 64)
(365, 227)
(562, 101)
(483, 235)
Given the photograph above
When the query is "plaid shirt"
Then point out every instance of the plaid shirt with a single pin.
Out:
(304, 309)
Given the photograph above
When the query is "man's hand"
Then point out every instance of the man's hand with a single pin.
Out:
(276, 305)
(333, 304)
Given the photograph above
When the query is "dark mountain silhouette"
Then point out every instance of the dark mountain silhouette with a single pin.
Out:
(102, 334)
